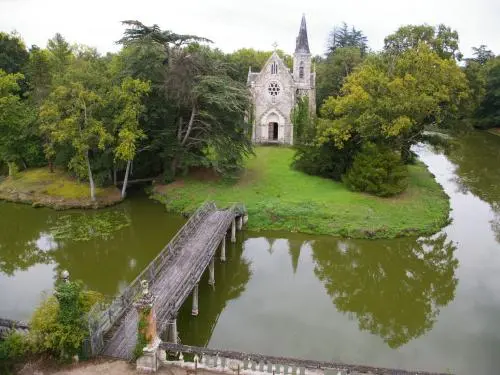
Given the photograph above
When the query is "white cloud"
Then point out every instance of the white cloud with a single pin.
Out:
(234, 24)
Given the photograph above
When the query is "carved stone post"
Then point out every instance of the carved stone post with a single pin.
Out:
(223, 249)
(194, 310)
(233, 231)
(211, 272)
(147, 329)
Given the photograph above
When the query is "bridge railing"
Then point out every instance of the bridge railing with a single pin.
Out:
(239, 362)
(102, 317)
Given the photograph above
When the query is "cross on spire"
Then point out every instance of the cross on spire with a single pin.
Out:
(275, 45)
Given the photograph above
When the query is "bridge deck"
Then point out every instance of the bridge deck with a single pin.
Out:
(175, 282)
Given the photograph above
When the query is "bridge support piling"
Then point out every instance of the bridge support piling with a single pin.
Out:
(233, 231)
(211, 270)
(194, 310)
(172, 331)
(223, 249)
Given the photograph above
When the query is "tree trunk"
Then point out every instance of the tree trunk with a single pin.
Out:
(51, 166)
(173, 166)
(114, 174)
(11, 164)
(91, 179)
(125, 180)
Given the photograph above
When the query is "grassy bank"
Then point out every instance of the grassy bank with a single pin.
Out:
(39, 187)
(280, 198)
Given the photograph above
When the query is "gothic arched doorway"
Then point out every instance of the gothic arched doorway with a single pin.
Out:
(273, 127)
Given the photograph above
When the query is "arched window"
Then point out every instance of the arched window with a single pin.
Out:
(301, 70)
(274, 68)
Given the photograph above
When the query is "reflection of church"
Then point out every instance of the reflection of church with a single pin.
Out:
(275, 91)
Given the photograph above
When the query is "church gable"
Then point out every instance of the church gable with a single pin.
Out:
(274, 68)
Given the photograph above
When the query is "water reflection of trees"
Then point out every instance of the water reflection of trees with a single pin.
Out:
(231, 279)
(103, 248)
(394, 288)
(477, 157)
(23, 240)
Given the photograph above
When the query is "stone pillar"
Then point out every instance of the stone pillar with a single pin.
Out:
(240, 222)
(145, 308)
(173, 331)
(223, 249)
(211, 270)
(233, 231)
(65, 276)
(194, 310)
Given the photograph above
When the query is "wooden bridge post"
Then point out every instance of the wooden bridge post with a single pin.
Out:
(211, 270)
(194, 310)
(233, 230)
(223, 249)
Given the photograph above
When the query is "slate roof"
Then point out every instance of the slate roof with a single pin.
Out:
(302, 43)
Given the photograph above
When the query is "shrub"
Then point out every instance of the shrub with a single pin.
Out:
(377, 170)
(58, 325)
(13, 347)
(325, 160)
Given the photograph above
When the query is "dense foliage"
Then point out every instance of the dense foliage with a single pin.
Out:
(383, 103)
(168, 102)
(377, 170)
(162, 104)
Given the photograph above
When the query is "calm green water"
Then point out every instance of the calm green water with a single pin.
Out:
(430, 303)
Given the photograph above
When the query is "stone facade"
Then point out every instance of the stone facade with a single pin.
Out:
(275, 91)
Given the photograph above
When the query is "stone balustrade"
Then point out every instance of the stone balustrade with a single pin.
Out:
(251, 364)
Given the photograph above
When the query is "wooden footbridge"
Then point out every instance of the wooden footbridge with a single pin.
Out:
(173, 275)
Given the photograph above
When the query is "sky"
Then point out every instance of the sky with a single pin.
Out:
(234, 24)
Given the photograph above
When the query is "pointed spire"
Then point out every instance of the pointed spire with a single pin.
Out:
(302, 43)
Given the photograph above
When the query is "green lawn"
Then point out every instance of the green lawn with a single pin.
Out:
(278, 197)
(57, 189)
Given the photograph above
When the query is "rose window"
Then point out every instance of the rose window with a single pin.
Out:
(273, 89)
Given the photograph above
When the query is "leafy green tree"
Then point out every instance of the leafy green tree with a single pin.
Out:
(39, 74)
(326, 159)
(482, 55)
(61, 54)
(440, 39)
(345, 36)
(488, 113)
(301, 119)
(71, 115)
(242, 60)
(129, 95)
(332, 71)
(392, 105)
(199, 106)
(13, 53)
(18, 142)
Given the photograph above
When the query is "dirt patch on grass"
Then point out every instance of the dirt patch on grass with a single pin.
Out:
(204, 174)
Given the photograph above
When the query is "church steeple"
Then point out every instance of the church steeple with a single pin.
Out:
(302, 43)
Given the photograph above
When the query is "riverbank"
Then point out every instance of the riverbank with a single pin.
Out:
(57, 190)
(278, 197)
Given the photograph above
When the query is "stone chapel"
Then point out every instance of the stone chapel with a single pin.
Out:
(275, 91)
